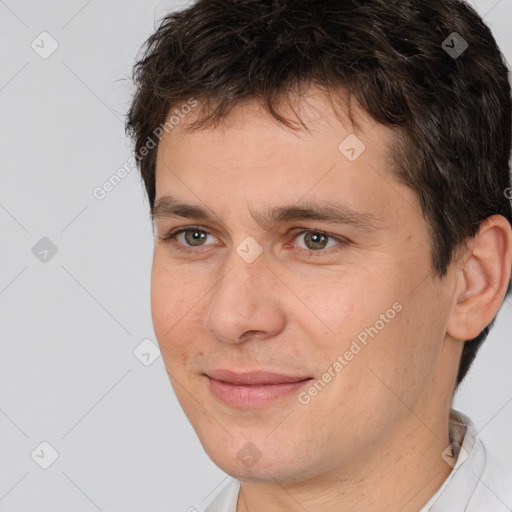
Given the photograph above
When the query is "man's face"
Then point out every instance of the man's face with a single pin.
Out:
(238, 293)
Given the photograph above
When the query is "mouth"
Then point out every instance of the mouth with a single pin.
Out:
(253, 389)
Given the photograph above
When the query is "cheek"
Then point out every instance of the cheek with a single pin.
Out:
(372, 326)
(350, 307)
(404, 354)
(175, 311)
(171, 294)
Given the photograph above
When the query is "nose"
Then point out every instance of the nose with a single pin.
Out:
(245, 303)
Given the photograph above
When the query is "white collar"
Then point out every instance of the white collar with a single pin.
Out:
(456, 492)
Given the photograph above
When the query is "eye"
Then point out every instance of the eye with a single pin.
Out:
(317, 240)
(188, 237)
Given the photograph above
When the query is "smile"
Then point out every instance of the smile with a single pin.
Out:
(253, 390)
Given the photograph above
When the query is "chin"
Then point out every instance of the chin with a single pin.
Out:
(265, 460)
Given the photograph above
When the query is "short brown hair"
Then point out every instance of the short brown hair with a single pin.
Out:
(451, 110)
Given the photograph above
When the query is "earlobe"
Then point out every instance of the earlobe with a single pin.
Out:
(482, 279)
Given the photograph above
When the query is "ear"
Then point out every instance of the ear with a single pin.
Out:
(482, 279)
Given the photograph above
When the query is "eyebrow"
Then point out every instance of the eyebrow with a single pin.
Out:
(168, 206)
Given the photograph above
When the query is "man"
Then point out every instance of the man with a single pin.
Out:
(333, 242)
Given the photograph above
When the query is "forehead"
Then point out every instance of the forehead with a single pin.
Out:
(251, 159)
(323, 122)
(310, 111)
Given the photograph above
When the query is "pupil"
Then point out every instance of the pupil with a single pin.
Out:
(197, 236)
(316, 239)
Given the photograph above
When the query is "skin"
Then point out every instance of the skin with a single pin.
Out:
(372, 438)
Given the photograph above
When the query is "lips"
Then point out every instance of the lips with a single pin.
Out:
(256, 378)
(253, 390)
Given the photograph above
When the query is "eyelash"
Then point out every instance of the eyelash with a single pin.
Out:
(171, 238)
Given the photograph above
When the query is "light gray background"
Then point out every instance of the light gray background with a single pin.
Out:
(69, 326)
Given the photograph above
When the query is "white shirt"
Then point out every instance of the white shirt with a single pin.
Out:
(476, 483)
